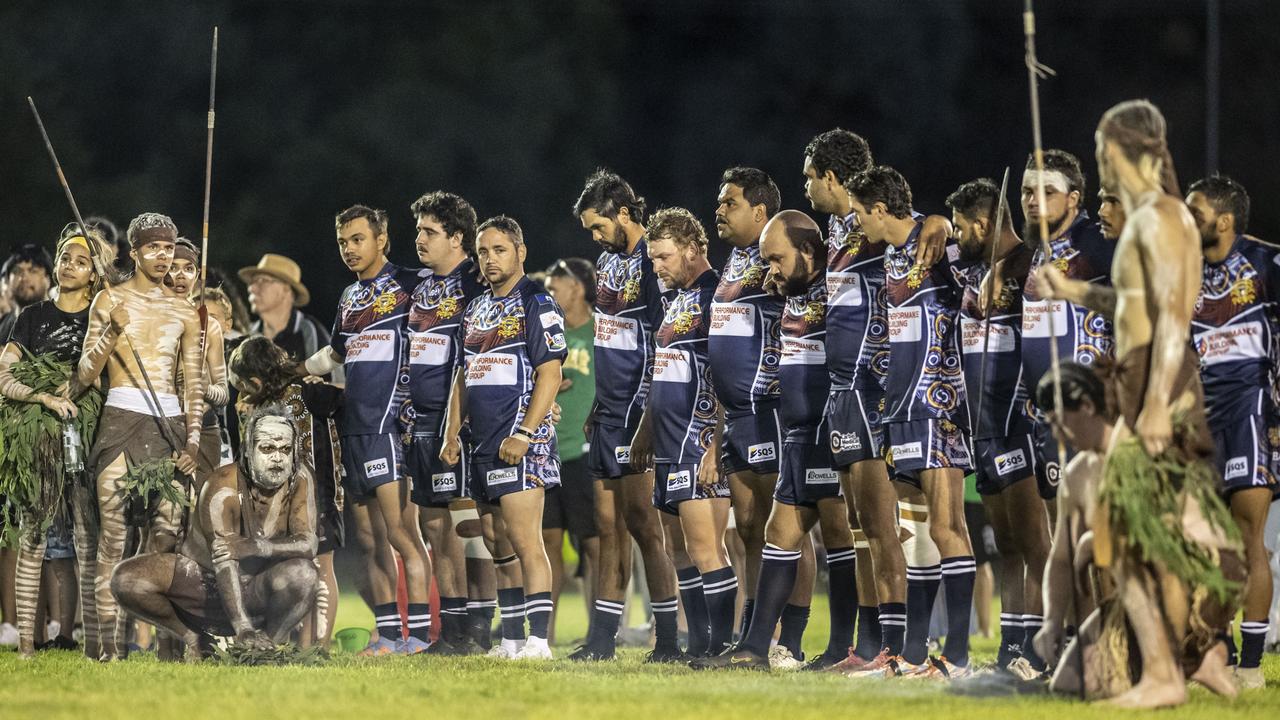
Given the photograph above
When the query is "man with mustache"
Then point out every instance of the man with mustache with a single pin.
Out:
(247, 567)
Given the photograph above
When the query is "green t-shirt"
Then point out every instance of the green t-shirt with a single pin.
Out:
(575, 402)
(971, 489)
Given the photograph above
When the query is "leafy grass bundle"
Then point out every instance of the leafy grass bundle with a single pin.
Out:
(150, 483)
(31, 463)
(286, 654)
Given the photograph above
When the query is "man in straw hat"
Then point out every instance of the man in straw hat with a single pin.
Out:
(276, 293)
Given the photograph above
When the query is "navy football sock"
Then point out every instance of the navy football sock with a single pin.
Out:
(922, 590)
(665, 624)
(1011, 638)
(795, 618)
(387, 617)
(893, 626)
(1031, 625)
(511, 602)
(842, 589)
(695, 609)
(420, 621)
(778, 569)
(958, 575)
(537, 608)
(1253, 635)
(720, 588)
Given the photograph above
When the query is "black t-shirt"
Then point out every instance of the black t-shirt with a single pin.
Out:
(44, 328)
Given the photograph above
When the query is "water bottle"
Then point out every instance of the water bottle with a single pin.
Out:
(72, 450)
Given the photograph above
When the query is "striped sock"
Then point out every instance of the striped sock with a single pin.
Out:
(387, 617)
(665, 623)
(778, 569)
(720, 588)
(420, 621)
(893, 626)
(511, 603)
(1253, 636)
(958, 575)
(842, 589)
(538, 608)
(1011, 638)
(605, 618)
(922, 590)
(695, 610)
(453, 616)
(1031, 625)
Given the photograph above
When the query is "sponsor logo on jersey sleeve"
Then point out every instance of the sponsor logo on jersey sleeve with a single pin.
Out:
(551, 318)
(555, 342)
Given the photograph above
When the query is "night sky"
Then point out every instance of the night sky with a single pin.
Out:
(325, 104)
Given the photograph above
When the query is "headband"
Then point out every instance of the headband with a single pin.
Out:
(1052, 179)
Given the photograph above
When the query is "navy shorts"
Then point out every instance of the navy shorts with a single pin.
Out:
(751, 443)
(609, 453)
(676, 483)
(918, 445)
(435, 484)
(806, 475)
(853, 417)
(371, 461)
(572, 506)
(1001, 462)
(1048, 468)
(496, 478)
(1244, 455)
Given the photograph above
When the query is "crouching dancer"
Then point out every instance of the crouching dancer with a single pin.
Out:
(246, 568)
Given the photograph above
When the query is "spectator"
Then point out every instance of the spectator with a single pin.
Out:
(275, 294)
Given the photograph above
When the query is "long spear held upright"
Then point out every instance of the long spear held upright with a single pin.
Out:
(208, 183)
(991, 298)
(100, 268)
(1035, 71)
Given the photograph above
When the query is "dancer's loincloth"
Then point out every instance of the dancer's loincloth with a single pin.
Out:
(1146, 498)
(135, 435)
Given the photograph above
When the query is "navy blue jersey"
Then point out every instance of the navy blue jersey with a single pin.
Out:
(1234, 331)
(435, 320)
(856, 307)
(1004, 393)
(1081, 253)
(925, 380)
(629, 307)
(803, 373)
(744, 341)
(368, 333)
(504, 340)
(683, 411)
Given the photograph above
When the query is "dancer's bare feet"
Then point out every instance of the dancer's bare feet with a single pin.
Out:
(1150, 694)
(1213, 672)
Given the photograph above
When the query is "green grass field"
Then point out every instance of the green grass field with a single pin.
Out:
(65, 685)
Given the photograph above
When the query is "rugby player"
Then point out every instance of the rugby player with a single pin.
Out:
(858, 361)
(446, 225)
(1003, 446)
(1234, 330)
(1078, 252)
(680, 427)
(744, 348)
(513, 345)
(629, 309)
(368, 341)
(808, 490)
(925, 407)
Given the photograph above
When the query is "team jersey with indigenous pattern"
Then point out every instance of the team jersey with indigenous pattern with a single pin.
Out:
(744, 343)
(1234, 329)
(368, 333)
(925, 379)
(435, 318)
(1003, 390)
(1081, 253)
(505, 339)
(803, 373)
(683, 411)
(629, 308)
(859, 357)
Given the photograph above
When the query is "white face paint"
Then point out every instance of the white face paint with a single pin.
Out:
(1053, 180)
(272, 462)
